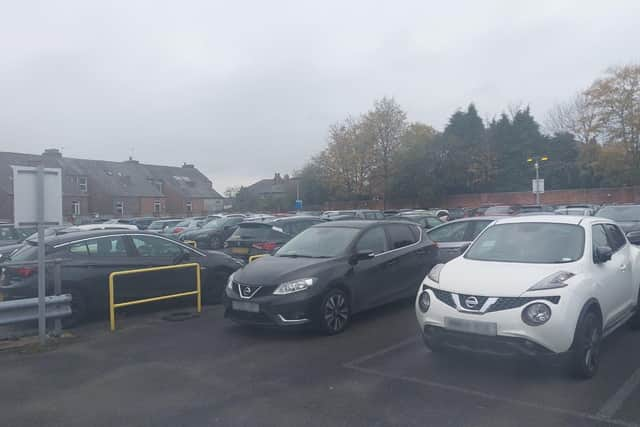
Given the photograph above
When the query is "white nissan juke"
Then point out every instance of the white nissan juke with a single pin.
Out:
(536, 285)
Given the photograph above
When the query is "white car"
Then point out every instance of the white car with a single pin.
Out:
(105, 226)
(545, 285)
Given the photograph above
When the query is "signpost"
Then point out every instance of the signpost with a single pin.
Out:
(537, 186)
(37, 200)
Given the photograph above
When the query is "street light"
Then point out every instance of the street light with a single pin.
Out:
(536, 164)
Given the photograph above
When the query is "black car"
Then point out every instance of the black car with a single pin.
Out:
(627, 216)
(143, 222)
(213, 234)
(259, 238)
(91, 256)
(454, 237)
(329, 272)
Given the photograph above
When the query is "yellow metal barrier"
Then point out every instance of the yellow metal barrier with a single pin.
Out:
(255, 257)
(113, 305)
(191, 242)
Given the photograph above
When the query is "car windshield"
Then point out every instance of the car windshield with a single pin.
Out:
(157, 225)
(216, 223)
(320, 242)
(529, 242)
(621, 213)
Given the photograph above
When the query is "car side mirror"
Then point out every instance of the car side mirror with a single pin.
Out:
(603, 254)
(361, 255)
(634, 237)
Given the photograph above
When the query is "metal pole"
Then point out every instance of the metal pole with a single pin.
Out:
(537, 183)
(57, 289)
(42, 332)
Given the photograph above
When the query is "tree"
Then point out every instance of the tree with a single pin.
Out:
(577, 117)
(231, 192)
(384, 126)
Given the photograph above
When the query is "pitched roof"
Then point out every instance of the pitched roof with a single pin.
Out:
(187, 180)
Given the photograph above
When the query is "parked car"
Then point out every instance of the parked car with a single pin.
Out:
(143, 222)
(258, 238)
(502, 210)
(345, 217)
(107, 226)
(329, 272)
(456, 213)
(368, 214)
(185, 225)
(11, 235)
(213, 234)
(330, 214)
(93, 255)
(627, 216)
(574, 211)
(535, 286)
(479, 211)
(454, 237)
(162, 225)
(522, 209)
(426, 221)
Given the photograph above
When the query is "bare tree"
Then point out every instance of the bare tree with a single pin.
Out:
(577, 117)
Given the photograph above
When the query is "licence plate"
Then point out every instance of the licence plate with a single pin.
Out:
(240, 251)
(251, 307)
(471, 326)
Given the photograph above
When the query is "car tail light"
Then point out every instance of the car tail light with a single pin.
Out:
(25, 271)
(265, 246)
(178, 230)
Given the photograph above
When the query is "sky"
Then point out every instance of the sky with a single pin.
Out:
(245, 89)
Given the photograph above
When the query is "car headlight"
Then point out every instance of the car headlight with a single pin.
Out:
(536, 314)
(294, 286)
(556, 280)
(434, 274)
(230, 283)
(424, 301)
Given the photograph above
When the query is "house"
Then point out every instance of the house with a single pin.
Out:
(275, 194)
(116, 189)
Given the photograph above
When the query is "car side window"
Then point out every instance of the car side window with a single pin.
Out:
(616, 238)
(401, 235)
(111, 246)
(452, 232)
(599, 238)
(149, 246)
(476, 227)
(374, 240)
(432, 222)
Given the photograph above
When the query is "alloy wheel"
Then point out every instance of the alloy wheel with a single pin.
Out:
(336, 312)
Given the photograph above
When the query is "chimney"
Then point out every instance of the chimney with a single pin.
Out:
(188, 165)
(51, 157)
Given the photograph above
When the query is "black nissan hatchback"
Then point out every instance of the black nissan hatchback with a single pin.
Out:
(329, 272)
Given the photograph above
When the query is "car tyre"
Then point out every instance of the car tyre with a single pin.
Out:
(79, 310)
(335, 312)
(585, 357)
(213, 292)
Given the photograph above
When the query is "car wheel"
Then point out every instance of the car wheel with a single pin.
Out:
(335, 312)
(213, 292)
(79, 311)
(586, 346)
(215, 243)
(634, 322)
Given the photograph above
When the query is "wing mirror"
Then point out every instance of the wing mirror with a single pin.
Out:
(634, 237)
(603, 254)
(361, 255)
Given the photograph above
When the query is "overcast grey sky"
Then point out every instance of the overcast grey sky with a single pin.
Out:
(243, 89)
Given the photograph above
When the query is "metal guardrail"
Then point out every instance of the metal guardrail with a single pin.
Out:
(113, 305)
(25, 309)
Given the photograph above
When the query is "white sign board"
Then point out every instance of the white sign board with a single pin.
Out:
(537, 185)
(25, 195)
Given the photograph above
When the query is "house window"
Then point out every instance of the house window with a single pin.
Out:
(189, 207)
(157, 207)
(83, 184)
(75, 207)
(120, 208)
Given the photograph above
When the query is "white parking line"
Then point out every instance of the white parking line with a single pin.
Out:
(604, 415)
(382, 351)
(616, 401)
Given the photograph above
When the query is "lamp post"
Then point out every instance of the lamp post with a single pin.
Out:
(536, 164)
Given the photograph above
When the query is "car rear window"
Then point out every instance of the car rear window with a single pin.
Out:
(401, 235)
(252, 232)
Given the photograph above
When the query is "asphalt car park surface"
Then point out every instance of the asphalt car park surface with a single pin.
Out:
(209, 371)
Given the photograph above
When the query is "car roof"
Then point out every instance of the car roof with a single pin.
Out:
(297, 218)
(80, 235)
(358, 223)
(554, 219)
(475, 218)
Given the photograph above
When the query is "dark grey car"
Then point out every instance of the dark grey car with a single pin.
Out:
(454, 236)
